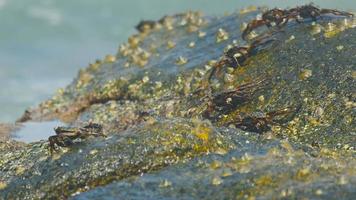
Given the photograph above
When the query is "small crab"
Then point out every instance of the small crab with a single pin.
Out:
(273, 17)
(65, 135)
(262, 122)
(236, 56)
(226, 101)
(281, 17)
(310, 11)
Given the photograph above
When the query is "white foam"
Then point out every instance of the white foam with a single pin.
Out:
(51, 15)
(2, 3)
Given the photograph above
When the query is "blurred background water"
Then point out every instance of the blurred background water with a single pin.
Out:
(43, 43)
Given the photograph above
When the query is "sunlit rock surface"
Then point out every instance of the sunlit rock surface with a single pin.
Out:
(146, 99)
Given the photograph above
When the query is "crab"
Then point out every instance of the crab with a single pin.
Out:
(66, 135)
(226, 101)
(279, 17)
(262, 122)
(273, 17)
(310, 11)
(236, 56)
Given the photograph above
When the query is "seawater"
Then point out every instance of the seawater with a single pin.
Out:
(35, 131)
(43, 43)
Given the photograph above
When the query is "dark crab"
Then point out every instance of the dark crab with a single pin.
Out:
(226, 101)
(310, 11)
(65, 135)
(236, 56)
(280, 17)
(262, 122)
(273, 17)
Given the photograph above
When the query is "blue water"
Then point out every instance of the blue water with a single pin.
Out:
(35, 131)
(43, 43)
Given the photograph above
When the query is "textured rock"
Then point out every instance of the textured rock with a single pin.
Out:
(151, 99)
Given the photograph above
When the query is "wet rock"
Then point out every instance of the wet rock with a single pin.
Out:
(33, 172)
(6, 130)
(273, 170)
(159, 112)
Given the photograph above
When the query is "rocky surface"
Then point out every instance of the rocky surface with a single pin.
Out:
(152, 99)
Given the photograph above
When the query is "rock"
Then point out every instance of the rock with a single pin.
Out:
(6, 129)
(163, 122)
(269, 170)
(33, 173)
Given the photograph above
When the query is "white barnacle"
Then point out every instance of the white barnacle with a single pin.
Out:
(229, 100)
(201, 34)
(252, 35)
(353, 24)
(292, 37)
(145, 79)
(191, 44)
(330, 27)
(171, 44)
(181, 60)
(237, 55)
(259, 17)
(243, 26)
(221, 35)
(305, 74)
(340, 47)
(315, 29)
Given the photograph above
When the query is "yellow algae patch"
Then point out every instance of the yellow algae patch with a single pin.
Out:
(215, 164)
(287, 146)
(303, 174)
(20, 170)
(331, 30)
(353, 74)
(265, 180)
(202, 130)
(3, 185)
